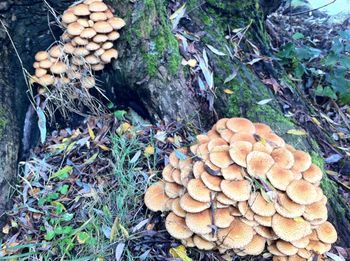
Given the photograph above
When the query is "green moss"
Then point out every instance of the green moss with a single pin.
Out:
(151, 63)
(3, 121)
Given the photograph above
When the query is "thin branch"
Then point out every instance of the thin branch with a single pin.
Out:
(311, 10)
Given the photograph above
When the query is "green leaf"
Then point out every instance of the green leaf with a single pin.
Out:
(120, 114)
(345, 98)
(50, 235)
(64, 189)
(67, 216)
(67, 230)
(306, 53)
(297, 36)
(62, 174)
(82, 237)
(325, 92)
(337, 46)
(299, 70)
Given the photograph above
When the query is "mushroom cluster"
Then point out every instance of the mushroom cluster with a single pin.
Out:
(240, 189)
(86, 45)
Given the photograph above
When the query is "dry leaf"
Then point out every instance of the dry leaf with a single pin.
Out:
(296, 132)
(149, 150)
(180, 252)
(228, 91)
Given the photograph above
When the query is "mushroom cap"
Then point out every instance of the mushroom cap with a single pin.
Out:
(203, 244)
(107, 45)
(264, 221)
(41, 56)
(198, 169)
(75, 28)
(98, 7)
(239, 151)
(56, 51)
(226, 134)
(198, 191)
(36, 65)
(275, 140)
(327, 233)
(97, 67)
(256, 246)
(177, 209)
(212, 134)
(286, 248)
(199, 223)
(112, 36)
(116, 22)
(39, 72)
(237, 235)
(259, 163)
(92, 59)
(81, 10)
(109, 13)
(240, 125)
(88, 33)
(69, 17)
(283, 158)
(99, 52)
(79, 41)
(262, 129)
(318, 247)
(167, 173)
(313, 174)
(176, 227)
(290, 229)
(202, 138)
(287, 207)
(316, 212)
(188, 242)
(108, 55)
(220, 156)
(81, 51)
(274, 250)
(176, 175)
(202, 151)
(304, 253)
(260, 206)
(174, 160)
(223, 217)
(243, 136)
(266, 232)
(98, 16)
(296, 258)
(220, 125)
(238, 190)
(301, 192)
(210, 237)
(68, 48)
(245, 210)
(103, 27)
(301, 243)
(223, 199)
(46, 64)
(232, 172)
(87, 2)
(173, 190)
(46, 80)
(191, 205)
(84, 22)
(92, 46)
(58, 68)
(155, 197)
(302, 161)
(279, 177)
(262, 146)
(280, 258)
(212, 182)
(100, 38)
(216, 142)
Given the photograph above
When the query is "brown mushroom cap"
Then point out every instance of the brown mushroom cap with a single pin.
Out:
(283, 158)
(56, 51)
(232, 172)
(45, 64)
(81, 10)
(256, 246)
(176, 227)
(173, 190)
(116, 22)
(316, 212)
(112, 36)
(75, 28)
(302, 161)
(238, 190)
(68, 48)
(198, 169)
(301, 192)
(318, 247)
(264, 221)
(176, 175)
(287, 207)
(46, 80)
(301, 243)
(286, 248)
(260, 206)
(79, 41)
(177, 209)
(223, 199)
(262, 146)
(198, 191)
(313, 174)
(155, 197)
(92, 59)
(203, 244)
(58, 68)
(262, 129)
(188, 242)
(98, 7)
(97, 67)
(304, 253)
(39, 72)
(81, 51)
(275, 140)
(245, 210)
(266, 232)
(279, 177)
(239, 151)
(259, 163)
(84, 22)
(220, 125)
(103, 27)
(199, 223)
(290, 229)
(220, 156)
(41, 56)
(100, 38)
(327, 233)
(107, 45)
(191, 205)
(210, 181)
(240, 125)
(88, 33)
(167, 173)
(69, 17)
(98, 16)
(237, 235)
(223, 217)
(108, 55)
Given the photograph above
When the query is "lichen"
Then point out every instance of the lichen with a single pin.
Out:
(3, 121)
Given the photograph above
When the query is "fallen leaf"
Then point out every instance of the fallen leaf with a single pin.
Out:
(41, 124)
(214, 50)
(275, 85)
(296, 132)
(149, 150)
(316, 121)
(228, 91)
(335, 257)
(180, 252)
(263, 102)
(334, 158)
(230, 77)
(192, 62)
(135, 157)
(119, 251)
(91, 133)
(6, 229)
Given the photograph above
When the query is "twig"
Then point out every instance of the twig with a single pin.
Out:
(311, 10)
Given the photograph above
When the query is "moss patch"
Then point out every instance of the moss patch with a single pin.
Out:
(3, 121)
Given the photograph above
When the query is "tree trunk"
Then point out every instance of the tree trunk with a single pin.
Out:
(149, 77)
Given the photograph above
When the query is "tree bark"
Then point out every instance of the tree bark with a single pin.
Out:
(149, 76)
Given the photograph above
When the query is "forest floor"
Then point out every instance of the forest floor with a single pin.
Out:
(80, 194)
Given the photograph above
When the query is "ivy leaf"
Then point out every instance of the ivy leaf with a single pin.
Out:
(49, 235)
(62, 174)
(82, 237)
(297, 36)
